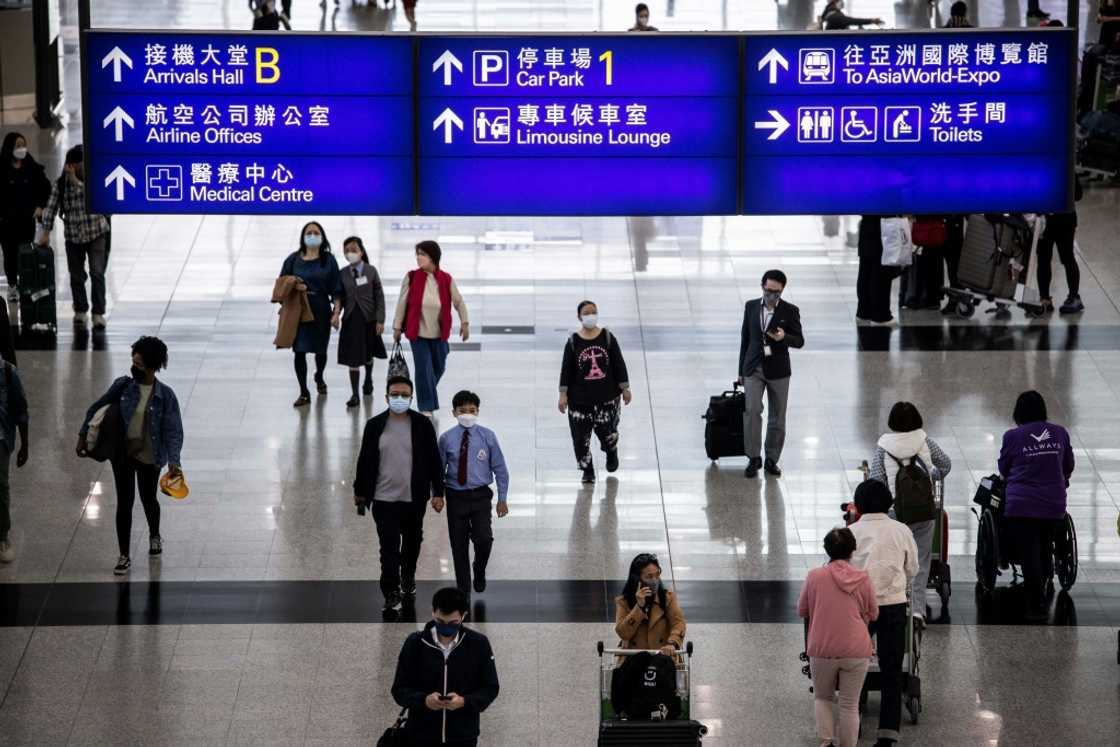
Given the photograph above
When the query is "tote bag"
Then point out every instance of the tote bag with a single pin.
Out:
(898, 249)
(398, 366)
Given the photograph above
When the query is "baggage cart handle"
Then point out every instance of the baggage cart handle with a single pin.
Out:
(634, 651)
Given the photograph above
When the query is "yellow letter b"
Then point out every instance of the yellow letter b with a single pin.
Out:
(267, 57)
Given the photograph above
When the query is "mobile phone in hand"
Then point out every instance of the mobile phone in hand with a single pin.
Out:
(445, 698)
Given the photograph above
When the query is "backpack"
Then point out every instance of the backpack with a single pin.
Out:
(913, 491)
(644, 688)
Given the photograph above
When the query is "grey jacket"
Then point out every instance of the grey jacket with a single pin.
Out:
(369, 298)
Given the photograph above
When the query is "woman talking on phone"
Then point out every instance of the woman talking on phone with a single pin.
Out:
(647, 615)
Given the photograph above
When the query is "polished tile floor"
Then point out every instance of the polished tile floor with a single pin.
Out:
(260, 621)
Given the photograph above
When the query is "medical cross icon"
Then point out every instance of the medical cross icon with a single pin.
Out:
(164, 183)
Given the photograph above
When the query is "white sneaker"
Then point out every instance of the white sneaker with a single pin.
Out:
(7, 554)
(99, 321)
(79, 317)
(13, 293)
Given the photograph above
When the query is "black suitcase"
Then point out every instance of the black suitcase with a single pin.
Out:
(723, 432)
(38, 311)
(924, 279)
(651, 733)
(991, 242)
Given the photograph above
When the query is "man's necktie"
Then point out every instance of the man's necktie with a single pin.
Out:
(464, 445)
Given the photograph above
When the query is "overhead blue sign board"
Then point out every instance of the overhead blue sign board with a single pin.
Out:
(890, 123)
(247, 123)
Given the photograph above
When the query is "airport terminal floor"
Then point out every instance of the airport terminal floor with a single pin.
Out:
(261, 622)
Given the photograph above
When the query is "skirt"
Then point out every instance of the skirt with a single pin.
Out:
(358, 341)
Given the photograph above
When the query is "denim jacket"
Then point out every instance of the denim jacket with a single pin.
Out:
(13, 405)
(165, 424)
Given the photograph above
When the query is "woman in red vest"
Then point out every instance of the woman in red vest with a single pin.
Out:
(424, 317)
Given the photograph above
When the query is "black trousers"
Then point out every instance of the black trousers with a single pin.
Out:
(469, 522)
(602, 420)
(400, 530)
(131, 476)
(10, 243)
(873, 290)
(1033, 542)
(951, 250)
(1059, 232)
(890, 644)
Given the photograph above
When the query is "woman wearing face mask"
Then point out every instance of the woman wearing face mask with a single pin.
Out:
(363, 318)
(647, 615)
(153, 437)
(318, 272)
(24, 191)
(424, 317)
(592, 376)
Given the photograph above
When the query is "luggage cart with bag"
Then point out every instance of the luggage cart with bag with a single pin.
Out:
(995, 260)
(616, 729)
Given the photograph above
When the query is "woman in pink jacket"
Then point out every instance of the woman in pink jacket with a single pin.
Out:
(838, 601)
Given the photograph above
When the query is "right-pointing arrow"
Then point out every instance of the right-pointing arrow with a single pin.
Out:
(779, 124)
(773, 58)
(447, 120)
(120, 176)
(120, 118)
(447, 61)
(116, 56)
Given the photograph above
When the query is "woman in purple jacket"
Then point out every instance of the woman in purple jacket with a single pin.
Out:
(1035, 461)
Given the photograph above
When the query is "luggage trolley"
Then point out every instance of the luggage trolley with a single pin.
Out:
(616, 730)
(995, 261)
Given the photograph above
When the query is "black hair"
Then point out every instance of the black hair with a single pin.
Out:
(1029, 408)
(8, 148)
(361, 247)
(873, 497)
(904, 418)
(73, 156)
(630, 590)
(432, 249)
(324, 248)
(465, 397)
(152, 351)
(450, 600)
(775, 275)
(959, 8)
(585, 302)
(840, 543)
(640, 7)
(399, 380)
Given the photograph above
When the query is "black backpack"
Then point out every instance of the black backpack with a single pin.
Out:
(913, 491)
(644, 688)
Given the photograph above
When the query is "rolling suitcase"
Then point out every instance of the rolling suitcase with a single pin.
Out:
(993, 244)
(651, 733)
(723, 431)
(38, 312)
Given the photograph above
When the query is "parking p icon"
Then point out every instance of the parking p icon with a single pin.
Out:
(490, 67)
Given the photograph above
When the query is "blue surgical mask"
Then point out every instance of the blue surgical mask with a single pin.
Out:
(312, 240)
(399, 404)
(447, 630)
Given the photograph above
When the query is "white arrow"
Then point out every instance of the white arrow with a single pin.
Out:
(447, 119)
(116, 56)
(447, 61)
(773, 58)
(779, 125)
(120, 176)
(120, 118)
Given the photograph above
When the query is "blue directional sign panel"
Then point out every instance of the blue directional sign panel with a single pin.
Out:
(249, 123)
(890, 123)
(592, 125)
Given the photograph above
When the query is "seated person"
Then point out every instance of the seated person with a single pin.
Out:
(646, 614)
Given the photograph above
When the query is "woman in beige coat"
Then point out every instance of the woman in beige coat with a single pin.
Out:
(647, 615)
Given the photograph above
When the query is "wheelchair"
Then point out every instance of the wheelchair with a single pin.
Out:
(995, 555)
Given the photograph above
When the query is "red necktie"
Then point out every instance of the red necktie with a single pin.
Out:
(463, 456)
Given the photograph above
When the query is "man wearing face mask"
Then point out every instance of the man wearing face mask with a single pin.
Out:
(445, 677)
(472, 459)
(770, 328)
(398, 470)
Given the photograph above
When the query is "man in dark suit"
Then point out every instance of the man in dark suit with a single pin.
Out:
(770, 328)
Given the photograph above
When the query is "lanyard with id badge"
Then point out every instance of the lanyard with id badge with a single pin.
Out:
(767, 351)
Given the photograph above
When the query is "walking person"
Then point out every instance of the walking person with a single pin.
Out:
(87, 238)
(838, 600)
(1036, 462)
(593, 377)
(314, 266)
(445, 677)
(398, 471)
(770, 328)
(24, 192)
(363, 318)
(472, 459)
(153, 437)
(958, 16)
(13, 417)
(885, 549)
(1060, 230)
(424, 316)
(904, 447)
(641, 18)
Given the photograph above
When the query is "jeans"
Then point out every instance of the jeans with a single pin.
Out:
(600, 419)
(890, 644)
(1033, 544)
(5, 490)
(843, 676)
(400, 530)
(98, 255)
(430, 358)
(469, 522)
(131, 476)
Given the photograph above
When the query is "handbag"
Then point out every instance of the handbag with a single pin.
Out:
(398, 366)
(394, 736)
(929, 232)
(898, 248)
(106, 434)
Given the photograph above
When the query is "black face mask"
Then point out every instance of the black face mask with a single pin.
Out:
(139, 374)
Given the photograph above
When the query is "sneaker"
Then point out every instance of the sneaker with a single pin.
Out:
(612, 460)
(155, 545)
(123, 564)
(7, 554)
(752, 468)
(408, 588)
(588, 476)
(99, 321)
(79, 317)
(13, 293)
(392, 602)
(1072, 305)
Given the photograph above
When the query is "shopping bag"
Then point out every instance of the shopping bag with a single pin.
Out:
(398, 366)
(42, 234)
(898, 249)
